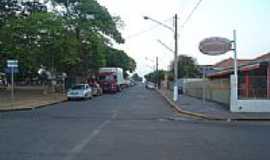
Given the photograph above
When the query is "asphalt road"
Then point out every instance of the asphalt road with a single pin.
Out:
(136, 124)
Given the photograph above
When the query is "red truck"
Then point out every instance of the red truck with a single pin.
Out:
(111, 79)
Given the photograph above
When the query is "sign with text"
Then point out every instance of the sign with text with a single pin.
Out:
(12, 63)
(215, 46)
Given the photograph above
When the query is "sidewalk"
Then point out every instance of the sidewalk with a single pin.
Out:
(209, 110)
(28, 98)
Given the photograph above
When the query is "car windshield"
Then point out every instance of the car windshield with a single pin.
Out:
(78, 87)
(106, 78)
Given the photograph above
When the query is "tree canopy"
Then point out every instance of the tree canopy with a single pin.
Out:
(118, 58)
(136, 77)
(155, 76)
(187, 67)
(71, 36)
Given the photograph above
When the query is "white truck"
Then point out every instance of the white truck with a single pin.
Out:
(111, 79)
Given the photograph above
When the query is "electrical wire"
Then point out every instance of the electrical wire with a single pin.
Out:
(191, 13)
(146, 30)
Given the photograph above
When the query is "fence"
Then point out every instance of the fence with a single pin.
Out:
(253, 92)
(213, 90)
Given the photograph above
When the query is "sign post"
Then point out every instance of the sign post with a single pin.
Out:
(235, 64)
(218, 45)
(12, 85)
(12, 64)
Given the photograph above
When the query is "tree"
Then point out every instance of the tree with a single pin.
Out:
(187, 67)
(136, 77)
(13, 36)
(74, 39)
(156, 76)
(89, 15)
(39, 39)
(118, 58)
(8, 10)
(92, 24)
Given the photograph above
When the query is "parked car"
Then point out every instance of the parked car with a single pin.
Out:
(80, 91)
(96, 89)
(149, 85)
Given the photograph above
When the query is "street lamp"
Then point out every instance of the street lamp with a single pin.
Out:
(175, 31)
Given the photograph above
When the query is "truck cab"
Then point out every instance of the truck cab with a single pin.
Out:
(111, 79)
(108, 82)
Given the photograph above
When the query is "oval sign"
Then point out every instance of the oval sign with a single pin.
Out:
(215, 46)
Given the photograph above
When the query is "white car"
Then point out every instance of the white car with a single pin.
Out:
(80, 91)
(149, 85)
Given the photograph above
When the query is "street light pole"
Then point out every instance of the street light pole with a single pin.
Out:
(175, 92)
(157, 78)
(175, 30)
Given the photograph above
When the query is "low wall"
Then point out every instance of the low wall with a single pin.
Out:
(253, 106)
(214, 90)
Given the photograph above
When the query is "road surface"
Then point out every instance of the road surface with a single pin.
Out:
(136, 124)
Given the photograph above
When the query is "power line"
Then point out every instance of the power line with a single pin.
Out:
(141, 32)
(146, 30)
(191, 13)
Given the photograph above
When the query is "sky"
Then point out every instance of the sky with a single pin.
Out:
(250, 18)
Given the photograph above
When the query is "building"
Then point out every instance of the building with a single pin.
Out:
(254, 76)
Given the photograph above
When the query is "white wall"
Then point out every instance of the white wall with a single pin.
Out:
(252, 106)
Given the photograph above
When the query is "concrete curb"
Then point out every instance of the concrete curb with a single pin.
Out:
(33, 107)
(207, 117)
(192, 114)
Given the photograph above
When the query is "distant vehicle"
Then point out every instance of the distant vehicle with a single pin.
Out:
(96, 89)
(132, 83)
(149, 85)
(80, 91)
(126, 84)
(111, 79)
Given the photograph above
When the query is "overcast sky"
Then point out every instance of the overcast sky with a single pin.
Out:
(251, 19)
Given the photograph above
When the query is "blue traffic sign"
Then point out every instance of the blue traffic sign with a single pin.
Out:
(12, 63)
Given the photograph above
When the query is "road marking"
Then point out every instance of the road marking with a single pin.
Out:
(79, 147)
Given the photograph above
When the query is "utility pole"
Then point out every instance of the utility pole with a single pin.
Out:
(157, 79)
(175, 95)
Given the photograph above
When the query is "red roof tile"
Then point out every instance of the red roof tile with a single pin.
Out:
(227, 63)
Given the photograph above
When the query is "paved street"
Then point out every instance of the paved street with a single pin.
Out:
(133, 125)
